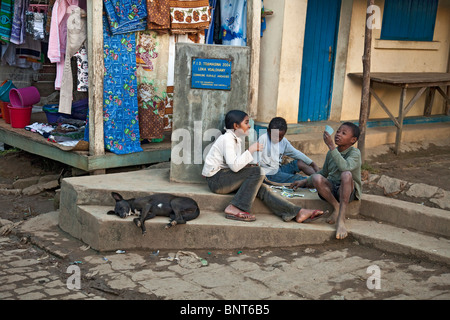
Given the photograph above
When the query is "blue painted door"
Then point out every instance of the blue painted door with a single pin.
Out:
(322, 24)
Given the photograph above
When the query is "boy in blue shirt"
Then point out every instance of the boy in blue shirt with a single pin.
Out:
(275, 147)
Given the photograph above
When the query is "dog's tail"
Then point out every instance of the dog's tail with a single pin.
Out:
(192, 215)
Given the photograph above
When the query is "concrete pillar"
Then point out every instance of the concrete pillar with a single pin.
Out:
(198, 114)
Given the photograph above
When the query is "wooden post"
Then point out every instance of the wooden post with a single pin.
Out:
(253, 41)
(365, 95)
(96, 72)
(401, 115)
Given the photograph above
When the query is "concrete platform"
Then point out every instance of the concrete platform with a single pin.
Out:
(387, 224)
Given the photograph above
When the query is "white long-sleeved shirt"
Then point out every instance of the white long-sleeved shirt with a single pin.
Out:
(226, 152)
(271, 156)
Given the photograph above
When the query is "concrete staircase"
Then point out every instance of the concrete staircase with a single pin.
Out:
(387, 224)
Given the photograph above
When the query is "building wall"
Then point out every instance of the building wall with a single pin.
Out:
(281, 60)
(394, 56)
(282, 52)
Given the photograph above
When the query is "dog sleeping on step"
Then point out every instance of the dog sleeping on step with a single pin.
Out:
(178, 209)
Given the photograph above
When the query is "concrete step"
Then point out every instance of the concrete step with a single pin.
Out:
(84, 202)
(96, 190)
(406, 215)
(400, 240)
(210, 230)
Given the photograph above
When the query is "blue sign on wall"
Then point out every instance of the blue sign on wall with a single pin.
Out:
(211, 74)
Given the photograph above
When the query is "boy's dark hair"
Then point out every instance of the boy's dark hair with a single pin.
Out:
(354, 128)
(277, 123)
(232, 117)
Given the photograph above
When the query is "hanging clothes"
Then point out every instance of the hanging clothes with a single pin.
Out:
(58, 36)
(234, 22)
(48, 21)
(210, 31)
(76, 36)
(152, 56)
(120, 103)
(18, 22)
(158, 17)
(6, 14)
(82, 70)
(125, 15)
(189, 16)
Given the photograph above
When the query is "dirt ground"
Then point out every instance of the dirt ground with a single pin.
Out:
(428, 164)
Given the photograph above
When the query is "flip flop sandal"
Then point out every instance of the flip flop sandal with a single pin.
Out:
(315, 215)
(241, 216)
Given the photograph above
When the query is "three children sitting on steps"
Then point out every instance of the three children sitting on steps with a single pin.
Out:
(229, 170)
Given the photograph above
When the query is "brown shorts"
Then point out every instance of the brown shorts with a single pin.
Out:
(335, 191)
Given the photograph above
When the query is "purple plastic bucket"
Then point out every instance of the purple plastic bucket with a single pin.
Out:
(24, 97)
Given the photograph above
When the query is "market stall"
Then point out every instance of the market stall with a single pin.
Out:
(129, 48)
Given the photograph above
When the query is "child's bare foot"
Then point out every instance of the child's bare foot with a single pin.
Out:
(333, 217)
(304, 214)
(341, 231)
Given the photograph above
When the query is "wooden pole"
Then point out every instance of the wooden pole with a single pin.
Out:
(365, 95)
(96, 70)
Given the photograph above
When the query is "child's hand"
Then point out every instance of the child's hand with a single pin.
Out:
(256, 147)
(314, 166)
(298, 184)
(328, 139)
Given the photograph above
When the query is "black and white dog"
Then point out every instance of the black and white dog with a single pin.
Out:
(178, 209)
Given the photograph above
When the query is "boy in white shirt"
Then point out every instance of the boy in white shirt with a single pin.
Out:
(275, 147)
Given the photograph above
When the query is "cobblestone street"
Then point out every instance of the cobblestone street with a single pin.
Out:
(337, 270)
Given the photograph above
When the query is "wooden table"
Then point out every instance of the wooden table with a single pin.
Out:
(426, 81)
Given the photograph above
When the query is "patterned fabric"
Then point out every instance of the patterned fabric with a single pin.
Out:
(168, 111)
(152, 51)
(82, 70)
(158, 14)
(126, 15)
(18, 22)
(189, 16)
(120, 104)
(6, 14)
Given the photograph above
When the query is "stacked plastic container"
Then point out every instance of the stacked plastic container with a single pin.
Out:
(5, 87)
(21, 105)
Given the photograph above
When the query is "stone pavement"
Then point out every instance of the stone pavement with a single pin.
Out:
(45, 263)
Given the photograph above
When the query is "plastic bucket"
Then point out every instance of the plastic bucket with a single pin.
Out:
(20, 117)
(5, 88)
(5, 111)
(24, 97)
